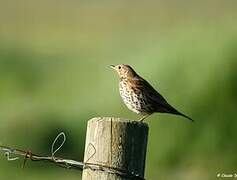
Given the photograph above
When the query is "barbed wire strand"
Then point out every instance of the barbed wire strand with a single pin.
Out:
(65, 163)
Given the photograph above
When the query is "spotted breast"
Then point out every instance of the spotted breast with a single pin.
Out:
(133, 98)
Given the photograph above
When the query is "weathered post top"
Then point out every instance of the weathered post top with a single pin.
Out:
(119, 145)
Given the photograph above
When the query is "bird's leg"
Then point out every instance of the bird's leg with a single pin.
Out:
(144, 117)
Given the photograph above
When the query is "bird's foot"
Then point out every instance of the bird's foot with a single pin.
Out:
(143, 118)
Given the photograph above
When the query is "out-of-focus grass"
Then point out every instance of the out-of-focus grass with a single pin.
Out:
(54, 76)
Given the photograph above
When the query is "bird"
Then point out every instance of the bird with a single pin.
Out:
(139, 96)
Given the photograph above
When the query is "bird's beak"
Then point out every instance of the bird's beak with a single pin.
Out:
(112, 66)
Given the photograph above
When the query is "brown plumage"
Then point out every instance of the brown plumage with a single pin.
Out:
(139, 96)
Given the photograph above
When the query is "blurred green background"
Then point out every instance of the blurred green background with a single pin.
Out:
(54, 76)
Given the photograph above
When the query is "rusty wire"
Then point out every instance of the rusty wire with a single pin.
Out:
(14, 154)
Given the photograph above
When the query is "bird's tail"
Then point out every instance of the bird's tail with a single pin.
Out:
(181, 114)
(176, 112)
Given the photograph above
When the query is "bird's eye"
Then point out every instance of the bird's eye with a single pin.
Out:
(119, 67)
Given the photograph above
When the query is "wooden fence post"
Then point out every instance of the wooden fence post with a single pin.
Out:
(117, 146)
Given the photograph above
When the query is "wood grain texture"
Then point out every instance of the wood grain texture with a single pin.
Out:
(119, 143)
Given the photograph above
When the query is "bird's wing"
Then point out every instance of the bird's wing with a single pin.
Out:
(157, 100)
(154, 98)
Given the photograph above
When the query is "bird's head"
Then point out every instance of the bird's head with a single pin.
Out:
(124, 71)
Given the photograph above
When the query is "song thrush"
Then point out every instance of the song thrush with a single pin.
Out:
(139, 96)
